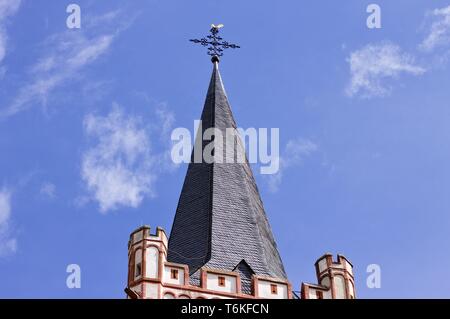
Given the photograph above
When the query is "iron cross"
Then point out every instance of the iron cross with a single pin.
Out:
(215, 43)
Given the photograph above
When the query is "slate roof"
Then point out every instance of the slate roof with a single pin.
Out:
(220, 219)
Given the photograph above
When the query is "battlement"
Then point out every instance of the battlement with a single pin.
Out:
(335, 279)
(326, 262)
(151, 276)
(144, 233)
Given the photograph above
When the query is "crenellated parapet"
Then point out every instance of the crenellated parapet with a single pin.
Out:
(335, 279)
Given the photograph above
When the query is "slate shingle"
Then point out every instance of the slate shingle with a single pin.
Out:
(220, 219)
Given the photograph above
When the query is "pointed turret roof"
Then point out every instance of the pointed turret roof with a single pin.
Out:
(220, 220)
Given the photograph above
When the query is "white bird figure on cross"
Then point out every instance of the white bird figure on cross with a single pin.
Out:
(217, 27)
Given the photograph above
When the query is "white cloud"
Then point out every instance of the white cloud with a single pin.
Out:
(48, 190)
(5, 206)
(8, 244)
(166, 120)
(103, 19)
(65, 56)
(439, 32)
(162, 126)
(294, 154)
(7, 9)
(374, 64)
(118, 170)
(68, 54)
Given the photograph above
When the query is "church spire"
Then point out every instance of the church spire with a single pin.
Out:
(220, 220)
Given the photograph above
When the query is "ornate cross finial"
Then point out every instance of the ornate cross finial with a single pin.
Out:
(215, 43)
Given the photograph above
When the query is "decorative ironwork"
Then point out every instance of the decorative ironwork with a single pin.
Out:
(215, 42)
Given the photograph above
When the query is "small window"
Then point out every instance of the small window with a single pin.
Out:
(319, 294)
(221, 281)
(138, 270)
(174, 273)
(274, 289)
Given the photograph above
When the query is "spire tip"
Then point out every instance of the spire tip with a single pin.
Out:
(215, 59)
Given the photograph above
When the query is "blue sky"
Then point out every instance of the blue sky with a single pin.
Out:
(86, 116)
